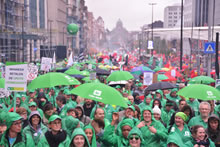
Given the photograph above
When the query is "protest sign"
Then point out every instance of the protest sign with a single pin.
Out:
(46, 64)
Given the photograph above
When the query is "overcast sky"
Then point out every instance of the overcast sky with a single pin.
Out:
(133, 13)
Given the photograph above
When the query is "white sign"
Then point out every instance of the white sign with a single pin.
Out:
(150, 44)
(173, 73)
(16, 77)
(4, 93)
(32, 71)
(2, 70)
(93, 76)
(46, 64)
(90, 66)
(148, 78)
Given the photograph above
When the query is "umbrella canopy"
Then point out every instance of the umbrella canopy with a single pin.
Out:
(160, 85)
(201, 80)
(73, 71)
(140, 69)
(120, 76)
(52, 79)
(161, 77)
(100, 71)
(2, 83)
(200, 91)
(85, 73)
(118, 82)
(100, 92)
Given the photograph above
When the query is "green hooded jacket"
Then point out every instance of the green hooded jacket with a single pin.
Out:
(144, 104)
(151, 139)
(162, 100)
(36, 134)
(175, 99)
(185, 134)
(79, 131)
(93, 143)
(22, 140)
(176, 139)
(136, 131)
(69, 124)
(111, 139)
(192, 142)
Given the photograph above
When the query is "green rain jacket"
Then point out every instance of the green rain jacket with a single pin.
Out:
(162, 100)
(69, 124)
(22, 140)
(175, 99)
(194, 105)
(108, 111)
(184, 134)
(144, 104)
(197, 120)
(192, 142)
(136, 131)
(111, 139)
(166, 116)
(153, 140)
(176, 139)
(79, 131)
(93, 143)
(36, 134)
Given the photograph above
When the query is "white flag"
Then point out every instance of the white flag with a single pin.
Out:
(70, 60)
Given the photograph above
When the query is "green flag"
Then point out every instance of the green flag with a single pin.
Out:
(150, 61)
(160, 63)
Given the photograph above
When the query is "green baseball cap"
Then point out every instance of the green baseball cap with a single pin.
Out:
(53, 118)
(32, 104)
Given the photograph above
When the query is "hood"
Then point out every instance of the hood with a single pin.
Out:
(149, 95)
(146, 108)
(160, 92)
(92, 115)
(79, 131)
(173, 90)
(213, 116)
(126, 122)
(69, 124)
(175, 138)
(81, 107)
(93, 136)
(31, 115)
(11, 117)
(136, 131)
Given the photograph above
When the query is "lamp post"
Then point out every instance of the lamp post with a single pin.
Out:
(152, 25)
(181, 36)
(22, 33)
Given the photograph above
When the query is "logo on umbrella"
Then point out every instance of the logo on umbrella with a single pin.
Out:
(96, 94)
(210, 94)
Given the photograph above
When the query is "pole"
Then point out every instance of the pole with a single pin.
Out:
(216, 57)
(63, 35)
(181, 36)
(50, 21)
(22, 33)
(152, 24)
(198, 54)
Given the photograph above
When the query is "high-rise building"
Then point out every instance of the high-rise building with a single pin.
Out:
(172, 15)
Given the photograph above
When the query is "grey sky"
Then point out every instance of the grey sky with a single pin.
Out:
(133, 13)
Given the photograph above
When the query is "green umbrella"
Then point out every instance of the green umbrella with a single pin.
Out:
(200, 91)
(100, 92)
(87, 80)
(73, 71)
(52, 79)
(201, 80)
(85, 73)
(162, 77)
(2, 83)
(120, 76)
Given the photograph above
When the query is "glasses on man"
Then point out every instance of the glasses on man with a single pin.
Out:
(134, 137)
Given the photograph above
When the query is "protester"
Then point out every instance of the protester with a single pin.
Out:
(23, 113)
(136, 138)
(81, 116)
(90, 133)
(88, 106)
(213, 129)
(79, 139)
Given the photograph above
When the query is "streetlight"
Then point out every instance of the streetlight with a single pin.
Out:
(152, 25)
(181, 37)
(22, 33)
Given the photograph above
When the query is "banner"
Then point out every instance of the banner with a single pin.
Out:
(148, 78)
(16, 77)
(46, 64)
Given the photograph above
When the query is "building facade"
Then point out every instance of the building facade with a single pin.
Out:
(172, 14)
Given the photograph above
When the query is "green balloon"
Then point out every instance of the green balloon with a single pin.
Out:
(72, 28)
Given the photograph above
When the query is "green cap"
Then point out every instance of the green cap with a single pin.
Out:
(182, 115)
(32, 104)
(53, 118)
(31, 91)
(66, 92)
(131, 107)
(140, 84)
(118, 86)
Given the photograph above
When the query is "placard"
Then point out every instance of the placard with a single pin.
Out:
(93, 76)
(16, 77)
(4, 93)
(148, 78)
(32, 71)
(46, 64)
(173, 73)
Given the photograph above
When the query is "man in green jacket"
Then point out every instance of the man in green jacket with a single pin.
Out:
(13, 136)
(55, 137)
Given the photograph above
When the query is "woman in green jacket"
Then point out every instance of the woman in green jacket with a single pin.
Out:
(79, 139)
(35, 128)
(153, 131)
(90, 133)
(180, 127)
(199, 138)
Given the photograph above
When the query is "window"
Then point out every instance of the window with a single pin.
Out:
(33, 13)
(42, 13)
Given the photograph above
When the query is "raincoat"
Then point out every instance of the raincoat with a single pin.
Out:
(69, 124)
(194, 105)
(151, 139)
(36, 134)
(192, 142)
(214, 135)
(83, 118)
(22, 140)
(162, 100)
(197, 120)
(136, 131)
(111, 139)
(79, 131)
(93, 143)
(144, 104)
(108, 111)
(176, 139)
(175, 99)
(185, 134)
(166, 116)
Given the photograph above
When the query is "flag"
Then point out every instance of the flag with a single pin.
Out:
(150, 61)
(161, 63)
(54, 60)
(70, 60)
